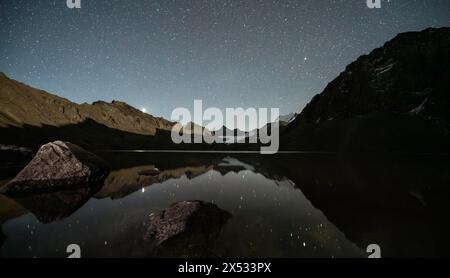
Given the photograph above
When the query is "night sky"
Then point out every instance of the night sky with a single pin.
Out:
(160, 55)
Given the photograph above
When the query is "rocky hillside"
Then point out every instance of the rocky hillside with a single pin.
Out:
(31, 117)
(395, 98)
(22, 105)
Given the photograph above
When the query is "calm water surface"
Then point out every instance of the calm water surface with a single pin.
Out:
(280, 206)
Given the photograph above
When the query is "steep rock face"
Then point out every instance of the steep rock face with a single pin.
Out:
(23, 105)
(408, 75)
(58, 165)
(400, 90)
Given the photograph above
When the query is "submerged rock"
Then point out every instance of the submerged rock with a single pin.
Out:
(58, 165)
(186, 228)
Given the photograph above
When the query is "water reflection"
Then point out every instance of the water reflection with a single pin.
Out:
(126, 181)
(54, 206)
(282, 206)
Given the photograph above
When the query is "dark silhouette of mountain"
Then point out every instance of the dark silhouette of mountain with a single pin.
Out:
(287, 119)
(394, 99)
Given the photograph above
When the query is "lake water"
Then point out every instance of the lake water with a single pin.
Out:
(288, 205)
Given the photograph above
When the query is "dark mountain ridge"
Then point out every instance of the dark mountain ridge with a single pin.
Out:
(397, 98)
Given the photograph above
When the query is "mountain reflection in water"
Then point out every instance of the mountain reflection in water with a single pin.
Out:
(280, 206)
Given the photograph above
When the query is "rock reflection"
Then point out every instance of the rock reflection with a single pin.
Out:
(55, 206)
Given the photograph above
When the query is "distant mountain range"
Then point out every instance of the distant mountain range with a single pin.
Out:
(397, 98)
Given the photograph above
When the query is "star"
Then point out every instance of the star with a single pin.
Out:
(280, 53)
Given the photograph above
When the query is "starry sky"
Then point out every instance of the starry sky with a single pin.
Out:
(160, 55)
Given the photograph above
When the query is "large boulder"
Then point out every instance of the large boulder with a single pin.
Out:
(186, 229)
(56, 166)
